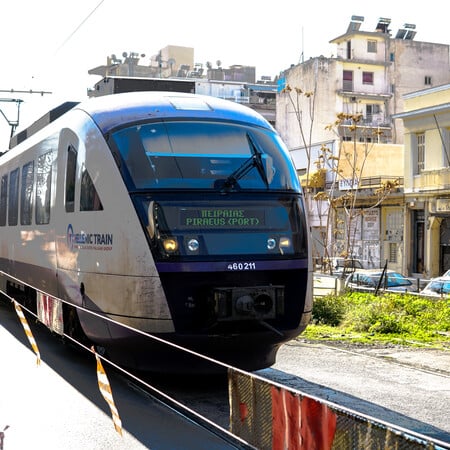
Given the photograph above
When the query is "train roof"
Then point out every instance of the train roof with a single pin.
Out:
(114, 110)
(111, 111)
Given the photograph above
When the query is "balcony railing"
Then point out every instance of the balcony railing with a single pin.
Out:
(372, 182)
(432, 180)
(236, 98)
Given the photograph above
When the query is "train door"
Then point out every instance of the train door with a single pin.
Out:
(76, 197)
(67, 260)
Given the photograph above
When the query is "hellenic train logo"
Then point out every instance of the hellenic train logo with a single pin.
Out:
(88, 241)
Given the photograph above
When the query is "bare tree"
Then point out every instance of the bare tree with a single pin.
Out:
(328, 170)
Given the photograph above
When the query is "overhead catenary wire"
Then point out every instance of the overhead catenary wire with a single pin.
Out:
(78, 27)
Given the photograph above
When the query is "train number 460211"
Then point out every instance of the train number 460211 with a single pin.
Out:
(242, 266)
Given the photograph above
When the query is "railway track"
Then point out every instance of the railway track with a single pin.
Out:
(407, 388)
(417, 399)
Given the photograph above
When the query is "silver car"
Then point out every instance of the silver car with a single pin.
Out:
(438, 287)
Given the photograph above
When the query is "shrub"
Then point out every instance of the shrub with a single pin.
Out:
(399, 317)
(328, 310)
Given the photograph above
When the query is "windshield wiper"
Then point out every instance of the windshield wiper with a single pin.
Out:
(254, 161)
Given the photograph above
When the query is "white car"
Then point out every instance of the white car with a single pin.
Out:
(438, 287)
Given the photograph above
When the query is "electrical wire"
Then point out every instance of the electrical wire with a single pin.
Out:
(78, 27)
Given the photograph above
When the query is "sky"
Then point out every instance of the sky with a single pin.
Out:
(49, 45)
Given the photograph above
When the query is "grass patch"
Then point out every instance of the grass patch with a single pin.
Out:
(398, 319)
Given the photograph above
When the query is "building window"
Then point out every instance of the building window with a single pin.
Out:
(371, 46)
(349, 49)
(391, 57)
(371, 110)
(347, 76)
(420, 152)
(427, 80)
(367, 77)
(447, 148)
(392, 252)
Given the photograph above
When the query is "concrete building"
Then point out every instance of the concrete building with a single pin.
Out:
(369, 75)
(426, 119)
(173, 69)
(358, 92)
(171, 60)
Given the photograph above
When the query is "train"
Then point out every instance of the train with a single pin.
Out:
(168, 214)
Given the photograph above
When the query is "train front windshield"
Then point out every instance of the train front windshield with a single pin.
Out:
(205, 155)
(213, 189)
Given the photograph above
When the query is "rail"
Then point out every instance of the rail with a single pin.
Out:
(258, 409)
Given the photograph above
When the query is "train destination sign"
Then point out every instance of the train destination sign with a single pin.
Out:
(222, 218)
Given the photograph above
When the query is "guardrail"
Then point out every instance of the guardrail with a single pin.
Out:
(326, 284)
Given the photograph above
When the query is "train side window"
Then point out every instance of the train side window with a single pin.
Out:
(3, 200)
(26, 193)
(43, 188)
(70, 178)
(89, 198)
(13, 199)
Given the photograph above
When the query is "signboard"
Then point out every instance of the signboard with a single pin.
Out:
(371, 225)
(348, 184)
(443, 205)
(222, 218)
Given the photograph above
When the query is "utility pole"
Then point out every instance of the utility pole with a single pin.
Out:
(14, 123)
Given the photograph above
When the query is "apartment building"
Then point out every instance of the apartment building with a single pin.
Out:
(426, 119)
(364, 83)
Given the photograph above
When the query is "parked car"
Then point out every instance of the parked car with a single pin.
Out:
(369, 280)
(438, 287)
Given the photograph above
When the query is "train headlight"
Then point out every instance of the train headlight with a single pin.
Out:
(151, 219)
(170, 245)
(285, 242)
(193, 245)
(271, 243)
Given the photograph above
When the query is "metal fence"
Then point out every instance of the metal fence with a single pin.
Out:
(272, 417)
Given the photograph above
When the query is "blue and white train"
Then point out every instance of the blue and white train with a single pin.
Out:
(175, 214)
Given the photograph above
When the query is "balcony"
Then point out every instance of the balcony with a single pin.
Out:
(374, 183)
(436, 180)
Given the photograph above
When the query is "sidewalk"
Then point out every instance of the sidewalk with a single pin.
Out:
(57, 404)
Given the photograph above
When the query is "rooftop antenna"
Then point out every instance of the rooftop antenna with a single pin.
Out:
(302, 54)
